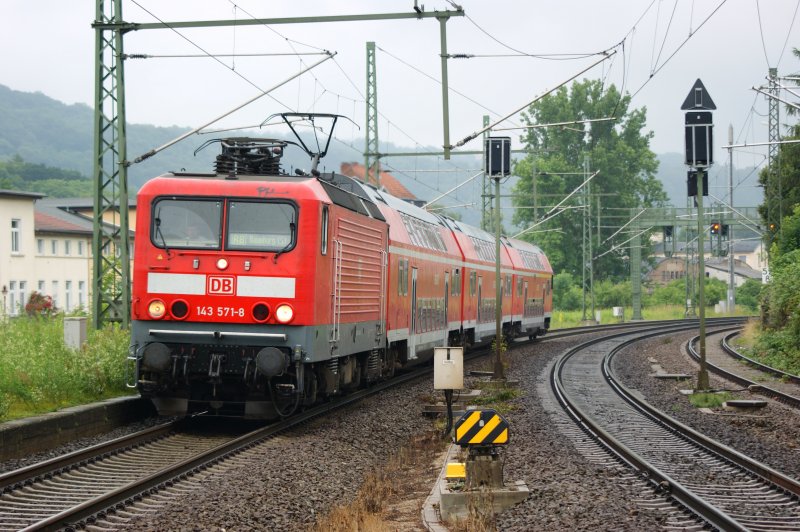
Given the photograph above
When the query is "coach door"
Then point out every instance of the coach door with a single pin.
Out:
(446, 302)
(480, 301)
(412, 333)
(525, 301)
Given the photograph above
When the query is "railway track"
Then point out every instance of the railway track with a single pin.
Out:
(55, 494)
(719, 485)
(77, 490)
(788, 395)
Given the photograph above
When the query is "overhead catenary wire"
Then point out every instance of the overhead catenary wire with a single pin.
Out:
(228, 113)
(548, 216)
(680, 46)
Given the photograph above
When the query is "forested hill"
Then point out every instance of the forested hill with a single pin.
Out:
(47, 132)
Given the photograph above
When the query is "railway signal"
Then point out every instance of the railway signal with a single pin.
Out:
(698, 130)
(715, 228)
(498, 166)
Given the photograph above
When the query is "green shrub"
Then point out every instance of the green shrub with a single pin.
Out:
(39, 373)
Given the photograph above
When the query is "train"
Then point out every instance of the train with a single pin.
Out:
(257, 292)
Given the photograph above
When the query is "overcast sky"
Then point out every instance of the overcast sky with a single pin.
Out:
(48, 46)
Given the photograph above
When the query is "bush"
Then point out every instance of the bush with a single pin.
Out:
(749, 294)
(44, 375)
(39, 305)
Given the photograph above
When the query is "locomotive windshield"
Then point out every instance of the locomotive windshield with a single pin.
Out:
(184, 223)
(260, 226)
(251, 225)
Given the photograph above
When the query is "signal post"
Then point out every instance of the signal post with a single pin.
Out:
(699, 131)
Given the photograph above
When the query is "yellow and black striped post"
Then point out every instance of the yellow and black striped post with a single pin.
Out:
(481, 428)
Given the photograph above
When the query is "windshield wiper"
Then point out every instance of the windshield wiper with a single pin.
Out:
(287, 246)
(159, 234)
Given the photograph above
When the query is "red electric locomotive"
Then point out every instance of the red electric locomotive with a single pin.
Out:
(256, 292)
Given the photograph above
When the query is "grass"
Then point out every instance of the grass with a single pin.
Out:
(572, 318)
(777, 349)
(371, 509)
(39, 373)
(709, 400)
(496, 395)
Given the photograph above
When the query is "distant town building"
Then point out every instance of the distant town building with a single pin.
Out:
(46, 248)
(388, 182)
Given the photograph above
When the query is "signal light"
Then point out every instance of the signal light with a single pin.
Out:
(715, 228)
(260, 312)
(179, 309)
(284, 313)
(156, 309)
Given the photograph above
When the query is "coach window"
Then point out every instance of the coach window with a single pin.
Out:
(324, 249)
(400, 276)
(186, 223)
(472, 276)
(261, 226)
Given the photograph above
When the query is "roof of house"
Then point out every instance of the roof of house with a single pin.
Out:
(49, 219)
(80, 203)
(739, 268)
(21, 194)
(388, 182)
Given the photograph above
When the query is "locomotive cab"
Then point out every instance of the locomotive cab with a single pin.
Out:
(248, 297)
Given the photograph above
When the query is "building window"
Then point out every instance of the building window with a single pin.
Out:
(82, 294)
(80, 248)
(40, 246)
(12, 300)
(15, 240)
(55, 294)
(67, 247)
(54, 247)
(68, 295)
(23, 297)
(40, 287)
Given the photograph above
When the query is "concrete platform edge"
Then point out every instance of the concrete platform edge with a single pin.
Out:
(22, 437)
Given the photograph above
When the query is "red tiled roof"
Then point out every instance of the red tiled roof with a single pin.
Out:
(46, 222)
(389, 183)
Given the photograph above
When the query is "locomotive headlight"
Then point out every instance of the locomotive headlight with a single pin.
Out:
(284, 313)
(222, 264)
(156, 309)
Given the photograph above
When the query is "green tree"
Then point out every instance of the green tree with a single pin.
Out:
(789, 175)
(567, 295)
(618, 150)
(749, 294)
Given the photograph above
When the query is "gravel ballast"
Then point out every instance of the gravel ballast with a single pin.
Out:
(287, 483)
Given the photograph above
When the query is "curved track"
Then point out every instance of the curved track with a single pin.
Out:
(721, 486)
(788, 395)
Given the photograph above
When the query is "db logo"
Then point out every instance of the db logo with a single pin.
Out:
(219, 285)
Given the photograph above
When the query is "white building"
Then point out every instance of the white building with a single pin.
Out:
(17, 248)
(42, 249)
(63, 256)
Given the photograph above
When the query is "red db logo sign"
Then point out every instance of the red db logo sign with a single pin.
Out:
(221, 286)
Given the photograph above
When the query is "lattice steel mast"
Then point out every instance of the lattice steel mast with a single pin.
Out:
(372, 161)
(111, 242)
